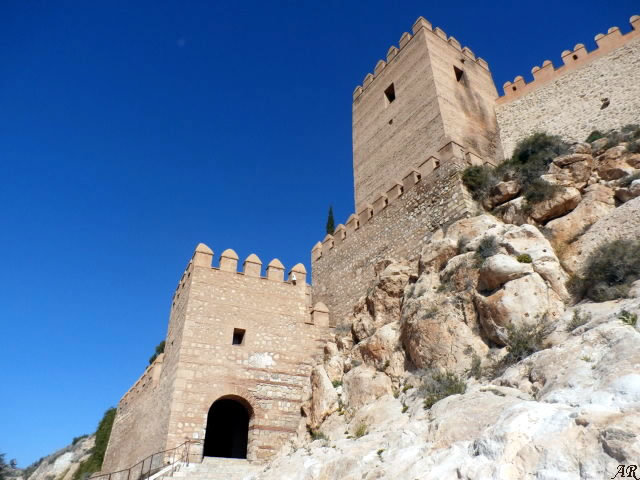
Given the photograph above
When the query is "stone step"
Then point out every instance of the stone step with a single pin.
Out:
(213, 468)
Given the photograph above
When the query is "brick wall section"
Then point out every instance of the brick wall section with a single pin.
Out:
(269, 372)
(342, 273)
(568, 103)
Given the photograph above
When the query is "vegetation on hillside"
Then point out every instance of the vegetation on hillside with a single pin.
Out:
(331, 224)
(531, 159)
(629, 134)
(609, 271)
(438, 385)
(94, 462)
(159, 350)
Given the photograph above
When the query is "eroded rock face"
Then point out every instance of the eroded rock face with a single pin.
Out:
(383, 349)
(324, 399)
(524, 301)
(437, 335)
(364, 384)
(612, 164)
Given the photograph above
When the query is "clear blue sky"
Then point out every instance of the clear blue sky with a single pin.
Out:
(131, 131)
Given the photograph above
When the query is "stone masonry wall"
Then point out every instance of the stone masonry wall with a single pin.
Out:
(570, 101)
(343, 263)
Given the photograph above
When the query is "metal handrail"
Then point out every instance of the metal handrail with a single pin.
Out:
(178, 455)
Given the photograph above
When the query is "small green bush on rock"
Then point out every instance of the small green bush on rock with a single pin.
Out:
(524, 258)
(609, 271)
(593, 136)
(437, 386)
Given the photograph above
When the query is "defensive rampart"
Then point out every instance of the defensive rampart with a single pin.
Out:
(396, 225)
(597, 90)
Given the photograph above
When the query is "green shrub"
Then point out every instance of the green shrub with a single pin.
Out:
(159, 350)
(361, 431)
(525, 340)
(539, 190)
(337, 383)
(629, 179)
(524, 258)
(578, 320)
(593, 136)
(479, 180)
(521, 342)
(476, 367)
(437, 386)
(634, 147)
(530, 160)
(533, 155)
(609, 271)
(628, 318)
(94, 462)
(487, 247)
(317, 435)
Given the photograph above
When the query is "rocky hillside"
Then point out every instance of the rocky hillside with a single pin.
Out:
(60, 465)
(490, 358)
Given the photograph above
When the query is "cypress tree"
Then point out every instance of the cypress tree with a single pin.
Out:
(331, 226)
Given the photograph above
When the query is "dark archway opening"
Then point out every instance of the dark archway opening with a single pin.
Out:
(227, 430)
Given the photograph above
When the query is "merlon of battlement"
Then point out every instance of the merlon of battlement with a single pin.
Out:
(405, 39)
(572, 59)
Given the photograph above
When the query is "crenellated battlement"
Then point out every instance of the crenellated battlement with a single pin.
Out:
(147, 380)
(572, 59)
(251, 267)
(405, 39)
(451, 153)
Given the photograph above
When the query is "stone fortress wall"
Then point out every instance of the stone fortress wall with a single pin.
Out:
(395, 226)
(269, 371)
(592, 90)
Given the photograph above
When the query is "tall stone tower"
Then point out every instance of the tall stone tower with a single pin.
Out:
(429, 92)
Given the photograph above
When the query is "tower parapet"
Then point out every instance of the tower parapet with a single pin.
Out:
(429, 92)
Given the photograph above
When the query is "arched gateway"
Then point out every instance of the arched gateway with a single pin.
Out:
(227, 431)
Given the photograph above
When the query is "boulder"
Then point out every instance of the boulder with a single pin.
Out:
(524, 301)
(633, 160)
(362, 327)
(500, 193)
(598, 146)
(362, 385)
(628, 193)
(437, 335)
(596, 203)
(562, 202)
(572, 158)
(499, 269)
(512, 212)
(612, 164)
(324, 398)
